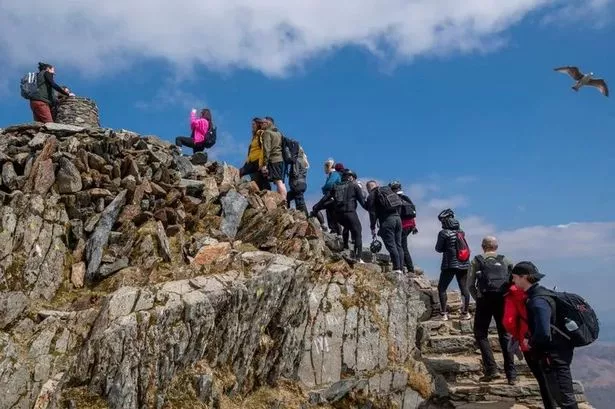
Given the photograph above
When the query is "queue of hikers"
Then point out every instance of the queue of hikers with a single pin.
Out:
(534, 323)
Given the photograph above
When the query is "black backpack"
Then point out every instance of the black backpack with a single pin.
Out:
(388, 200)
(407, 210)
(571, 311)
(340, 196)
(210, 137)
(29, 85)
(290, 150)
(493, 274)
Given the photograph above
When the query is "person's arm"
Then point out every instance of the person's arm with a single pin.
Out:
(359, 195)
(472, 279)
(541, 332)
(49, 78)
(332, 180)
(441, 242)
(371, 208)
(267, 146)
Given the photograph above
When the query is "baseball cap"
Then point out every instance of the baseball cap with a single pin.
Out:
(527, 268)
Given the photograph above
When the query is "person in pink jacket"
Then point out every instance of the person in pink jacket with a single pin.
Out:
(199, 126)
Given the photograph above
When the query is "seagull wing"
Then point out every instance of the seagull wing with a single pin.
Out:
(600, 84)
(572, 71)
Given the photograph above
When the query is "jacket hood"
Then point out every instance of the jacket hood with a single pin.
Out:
(517, 293)
(450, 223)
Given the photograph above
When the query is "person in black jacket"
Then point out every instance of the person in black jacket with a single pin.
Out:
(45, 98)
(390, 226)
(345, 197)
(549, 347)
(408, 225)
(451, 266)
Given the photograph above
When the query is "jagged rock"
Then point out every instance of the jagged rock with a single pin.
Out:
(77, 275)
(163, 241)
(107, 270)
(233, 206)
(45, 177)
(9, 176)
(12, 304)
(68, 178)
(38, 141)
(209, 253)
(55, 126)
(96, 243)
(184, 165)
(199, 158)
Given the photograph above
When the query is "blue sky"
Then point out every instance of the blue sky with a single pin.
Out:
(465, 111)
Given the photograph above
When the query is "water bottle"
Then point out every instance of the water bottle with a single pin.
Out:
(570, 325)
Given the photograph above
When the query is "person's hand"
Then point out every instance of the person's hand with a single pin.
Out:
(415, 230)
(264, 170)
(373, 233)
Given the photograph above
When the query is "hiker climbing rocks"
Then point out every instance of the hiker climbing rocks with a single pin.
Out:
(273, 162)
(455, 261)
(203, 132)
(39, 89)
(407, 213)
(488, 280)
(344, 197)
(383, 205)
(254, 162)
(333, 178)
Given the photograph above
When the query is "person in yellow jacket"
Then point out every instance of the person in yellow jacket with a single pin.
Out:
(255, 160)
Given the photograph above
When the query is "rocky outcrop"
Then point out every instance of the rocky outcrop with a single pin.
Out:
(134, 277)
(78, 111)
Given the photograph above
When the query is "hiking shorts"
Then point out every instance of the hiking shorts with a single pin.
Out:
(276, 171)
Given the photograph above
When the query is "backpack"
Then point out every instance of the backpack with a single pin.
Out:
(387, 199)
(407, 210)
(463, 249)
(494, 274)
(572, 309)
(340, 195)
(29, 85)
(290, 150)
(210, 137)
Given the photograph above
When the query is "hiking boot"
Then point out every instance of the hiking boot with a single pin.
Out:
(489, 377)
(512, 381)
(466, 316)
(444, 317)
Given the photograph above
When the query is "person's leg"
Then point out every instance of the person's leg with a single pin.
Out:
(462, 281)
(345, 235)
(184, 141)
(41, 111)
(404, 243)
(332, 221)
(387, 232)
(535, 368)
(482, 320)
(504, 338)
(300, 202)
(562, 378)
(281, 187)
(446, 276)
(355, 229)
(400, 248)
(290, 196)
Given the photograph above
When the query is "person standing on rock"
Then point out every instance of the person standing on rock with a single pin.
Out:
(383, 205)
(297, 181)
(273, 161)
(488, 280)
(199, 126)
(515, 322)
(550, 348)
(41, 103)
(408, 223)
(345, 196)
(333, 178)
(452, 266)
(254, 162)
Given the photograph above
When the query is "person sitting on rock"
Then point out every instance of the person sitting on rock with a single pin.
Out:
(254, 162)
(550, 348)
(199, 127)
(488, 279)
(273, 161)
(516, 324)
(41, 103)
(451, 265)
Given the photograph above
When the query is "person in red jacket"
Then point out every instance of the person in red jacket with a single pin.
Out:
(516, 324)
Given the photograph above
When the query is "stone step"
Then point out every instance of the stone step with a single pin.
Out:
(526, 390)
(457, 367)
(454, 344)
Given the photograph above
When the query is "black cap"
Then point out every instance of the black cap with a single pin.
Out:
(527, 268)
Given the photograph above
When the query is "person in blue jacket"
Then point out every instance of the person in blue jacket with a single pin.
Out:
(334, 177)
(551, 349)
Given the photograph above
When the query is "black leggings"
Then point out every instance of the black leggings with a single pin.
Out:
(446, 276)
(189, 142)
(351, 223)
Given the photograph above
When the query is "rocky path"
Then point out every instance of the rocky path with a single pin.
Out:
(449, 351)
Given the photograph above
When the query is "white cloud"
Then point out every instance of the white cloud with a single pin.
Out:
(591, 12)
(271, 36)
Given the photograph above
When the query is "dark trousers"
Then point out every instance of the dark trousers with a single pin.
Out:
(491, 305)
(251, 169)
(189, 142)
(404, 244)
(559, 378)
(534, 364)
(390, 231)
(351, 222)
(297, 196)
(332, 221)
(446, 276)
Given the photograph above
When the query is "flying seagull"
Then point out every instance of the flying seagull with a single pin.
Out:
(584, 79)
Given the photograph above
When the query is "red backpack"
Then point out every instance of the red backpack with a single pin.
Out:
(463, 250)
